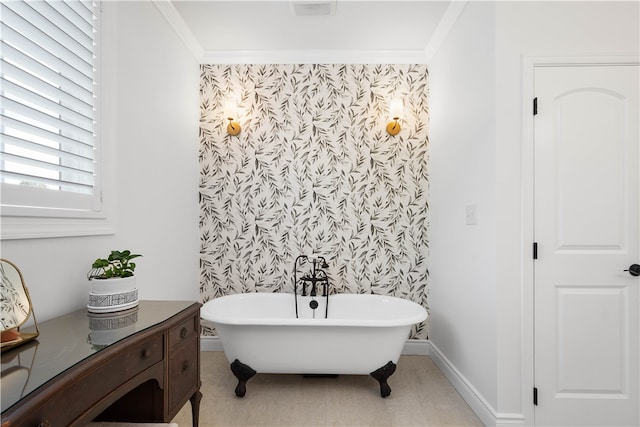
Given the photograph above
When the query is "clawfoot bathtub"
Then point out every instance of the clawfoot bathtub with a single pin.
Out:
(363, 334)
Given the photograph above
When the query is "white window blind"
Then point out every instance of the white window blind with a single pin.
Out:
(48, 108)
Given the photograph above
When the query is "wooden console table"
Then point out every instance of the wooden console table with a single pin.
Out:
(139, 365)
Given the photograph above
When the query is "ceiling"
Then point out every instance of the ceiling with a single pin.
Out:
(271, 26)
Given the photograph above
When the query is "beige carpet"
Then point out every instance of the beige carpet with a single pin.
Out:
(420, 396)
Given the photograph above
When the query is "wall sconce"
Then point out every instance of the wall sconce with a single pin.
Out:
(231, 114)
(395, 111)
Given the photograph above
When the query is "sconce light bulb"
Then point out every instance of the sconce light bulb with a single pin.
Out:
(230, 111)
(395, 111)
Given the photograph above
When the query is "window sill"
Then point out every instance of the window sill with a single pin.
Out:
(14, 228)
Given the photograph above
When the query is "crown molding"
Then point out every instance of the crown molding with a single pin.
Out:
(183, 31)
(312, 56)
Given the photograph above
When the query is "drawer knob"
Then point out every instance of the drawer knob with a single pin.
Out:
(185, 366)
(146, 353)
(183, 332)
(45, 423)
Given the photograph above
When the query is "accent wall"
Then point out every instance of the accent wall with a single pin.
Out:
(313, 171)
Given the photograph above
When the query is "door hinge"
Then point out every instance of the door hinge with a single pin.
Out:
(535, 106)
(535, 250)
(535, 396)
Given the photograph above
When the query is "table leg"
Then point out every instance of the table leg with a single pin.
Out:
(195, 407)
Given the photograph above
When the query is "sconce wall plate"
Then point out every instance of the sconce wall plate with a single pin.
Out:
(233, 128)
(393, 128)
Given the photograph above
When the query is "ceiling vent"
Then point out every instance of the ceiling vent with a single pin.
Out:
(312, 7)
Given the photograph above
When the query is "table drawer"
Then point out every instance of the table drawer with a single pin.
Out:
(184, 374)
(97, 383)
(184, 332)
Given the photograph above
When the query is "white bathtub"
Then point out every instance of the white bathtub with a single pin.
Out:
(362, 334)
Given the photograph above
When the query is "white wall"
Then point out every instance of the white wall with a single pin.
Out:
(463, 257)
(157, 161)
(478, 109)
(151, 85)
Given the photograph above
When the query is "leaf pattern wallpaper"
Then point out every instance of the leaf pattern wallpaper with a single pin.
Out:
(314, 171)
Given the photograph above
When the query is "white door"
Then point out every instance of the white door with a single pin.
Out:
(587, 232)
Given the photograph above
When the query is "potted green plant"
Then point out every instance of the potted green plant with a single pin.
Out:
(113, 283)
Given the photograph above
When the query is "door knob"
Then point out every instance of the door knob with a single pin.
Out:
(634, 270)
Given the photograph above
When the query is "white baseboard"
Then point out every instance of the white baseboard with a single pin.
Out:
(416, 348)
(469, 393)
(474, 399)
(210, 343)
(507, 420)
(483, 409)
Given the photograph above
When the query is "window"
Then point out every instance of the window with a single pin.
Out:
(49, 165)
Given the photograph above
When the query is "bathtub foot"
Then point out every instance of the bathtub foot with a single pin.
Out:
(243, 373)
(382, 374)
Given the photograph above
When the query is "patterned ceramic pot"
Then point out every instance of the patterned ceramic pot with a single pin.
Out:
(110, 295)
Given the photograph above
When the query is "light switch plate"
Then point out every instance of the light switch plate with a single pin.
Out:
(471, 214)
